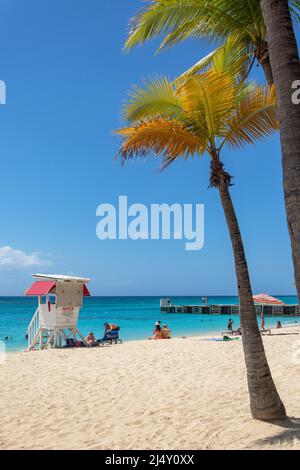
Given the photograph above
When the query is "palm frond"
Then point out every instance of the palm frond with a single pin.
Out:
(157, 96)
(234, 58)
(295, 9)
(255, 117)
(199, 67)
(161, 137)
(209, 98)
(180, 19)
(158, 17)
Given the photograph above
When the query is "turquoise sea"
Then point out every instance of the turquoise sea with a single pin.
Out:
(135, 315)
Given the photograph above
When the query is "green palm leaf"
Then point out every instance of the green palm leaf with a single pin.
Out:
(178, 20)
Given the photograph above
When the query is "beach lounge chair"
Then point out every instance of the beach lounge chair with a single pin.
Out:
(228, 333)
(111, 338)
(266, 332)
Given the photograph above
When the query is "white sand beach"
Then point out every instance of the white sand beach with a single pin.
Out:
(177, 394)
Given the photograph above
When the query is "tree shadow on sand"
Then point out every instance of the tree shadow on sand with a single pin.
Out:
(289, 433)
(286, 334)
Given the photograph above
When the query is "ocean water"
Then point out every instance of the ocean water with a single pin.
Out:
(135, 315)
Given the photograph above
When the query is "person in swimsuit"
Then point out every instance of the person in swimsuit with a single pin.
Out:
(166, 332)
(90, 339)
(111, 331)
(157, 333)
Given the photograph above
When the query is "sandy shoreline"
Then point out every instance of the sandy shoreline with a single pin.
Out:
(179, 394)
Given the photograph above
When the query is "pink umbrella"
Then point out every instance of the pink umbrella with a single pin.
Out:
(266, 299)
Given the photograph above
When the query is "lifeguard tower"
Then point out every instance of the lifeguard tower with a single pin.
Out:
(59, 301)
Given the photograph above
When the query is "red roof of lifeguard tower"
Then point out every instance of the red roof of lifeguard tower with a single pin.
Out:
(48, 287)
(40, 288)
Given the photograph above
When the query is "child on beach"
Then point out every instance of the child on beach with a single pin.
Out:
(90, 339)
(166, 332)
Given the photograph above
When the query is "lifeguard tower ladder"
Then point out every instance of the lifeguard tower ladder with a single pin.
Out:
(56, 318)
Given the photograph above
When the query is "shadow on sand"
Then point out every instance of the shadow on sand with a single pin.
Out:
(288, 433)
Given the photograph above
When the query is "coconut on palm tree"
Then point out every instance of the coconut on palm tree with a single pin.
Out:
(203, 115)
(178, 20)
(286, 71)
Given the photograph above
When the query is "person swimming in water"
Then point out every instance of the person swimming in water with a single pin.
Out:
(8, 338)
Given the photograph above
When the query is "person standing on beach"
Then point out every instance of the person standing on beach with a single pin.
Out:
(230, 324)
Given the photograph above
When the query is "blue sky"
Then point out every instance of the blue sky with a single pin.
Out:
(66, 78)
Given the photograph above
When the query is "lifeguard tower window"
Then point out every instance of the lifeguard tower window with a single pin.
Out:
(45, 299)
(69, 294)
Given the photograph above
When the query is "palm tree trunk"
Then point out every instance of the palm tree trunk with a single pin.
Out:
(266, 65)
(286, 69)
(263, 57)
(265, 402)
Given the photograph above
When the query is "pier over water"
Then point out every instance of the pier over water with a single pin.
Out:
(166, 306)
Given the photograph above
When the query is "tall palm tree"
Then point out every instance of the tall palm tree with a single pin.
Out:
(244, 25)
(286, 70)
(210, 19)
(203, 115)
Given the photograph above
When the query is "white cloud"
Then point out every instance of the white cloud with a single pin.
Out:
(18, 259)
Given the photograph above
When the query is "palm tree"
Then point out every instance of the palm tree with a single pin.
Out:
(210, 19)
(244, 25)
(286, 70)
(201, 116)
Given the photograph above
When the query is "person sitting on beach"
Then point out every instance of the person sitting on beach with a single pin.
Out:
(157, 334)
(238, 332)
(110, 327)
(90, 339)
(165, 332)
(111, 331)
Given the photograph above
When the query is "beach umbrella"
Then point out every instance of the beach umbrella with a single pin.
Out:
(265, 299)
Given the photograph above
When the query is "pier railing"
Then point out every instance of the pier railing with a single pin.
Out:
(268, 310)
